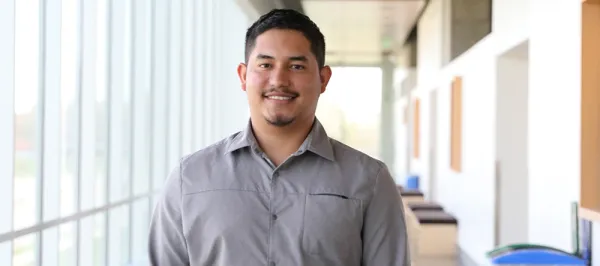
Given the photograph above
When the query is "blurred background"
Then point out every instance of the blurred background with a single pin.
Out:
(487, 108)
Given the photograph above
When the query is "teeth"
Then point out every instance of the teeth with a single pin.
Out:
(283, 98)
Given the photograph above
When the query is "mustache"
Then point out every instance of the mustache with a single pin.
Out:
(280, 90)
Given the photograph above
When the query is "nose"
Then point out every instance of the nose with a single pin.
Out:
(280, 77)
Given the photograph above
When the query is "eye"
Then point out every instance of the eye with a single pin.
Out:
(297, 67)
(265, 65)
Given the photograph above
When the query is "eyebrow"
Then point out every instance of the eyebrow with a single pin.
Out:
(291, 58)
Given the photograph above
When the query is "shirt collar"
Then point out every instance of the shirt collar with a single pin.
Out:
(317, 141)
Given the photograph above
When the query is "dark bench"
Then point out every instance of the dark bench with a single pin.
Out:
(434, 217)
(411, 193)
(424, 206)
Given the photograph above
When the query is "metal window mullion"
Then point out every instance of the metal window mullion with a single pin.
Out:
(209, 110)
(194, 78)
(199, 74)
(168, 83)
(181, 75)
(151, 113)
(71, 218)
(132, 131)
(79, 97)
(40, 125)
(109, 98)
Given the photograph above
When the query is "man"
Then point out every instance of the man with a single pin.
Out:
(280, 192)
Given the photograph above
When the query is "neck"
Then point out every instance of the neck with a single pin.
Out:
(278, 143)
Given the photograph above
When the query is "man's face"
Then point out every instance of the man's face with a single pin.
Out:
(282, 77)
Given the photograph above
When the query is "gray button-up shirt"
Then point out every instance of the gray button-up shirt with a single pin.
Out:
(327, 204)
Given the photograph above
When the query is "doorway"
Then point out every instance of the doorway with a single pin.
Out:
(512, 82)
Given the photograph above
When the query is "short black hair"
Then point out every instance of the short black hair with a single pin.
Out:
(292, 20)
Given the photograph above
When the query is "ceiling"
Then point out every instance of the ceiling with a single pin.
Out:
(358, 32)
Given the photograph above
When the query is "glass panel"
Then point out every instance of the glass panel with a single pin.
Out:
(50, 246)
(27, 163)
(52, 166)
(70, 107)
(174, 92)
(127, 101)
(160, 94)
(119, 236)
(101, 104)
(7, 67)
(141, 220)
(25, 251)
(99, 239)
(141, 169)
(187, 129)
(86, 243)
(67, 244)
(87, 160)
(5, 253)
(120, 101)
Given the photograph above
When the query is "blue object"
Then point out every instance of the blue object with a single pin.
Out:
(412, 182)
(533, 254)
(538, 257)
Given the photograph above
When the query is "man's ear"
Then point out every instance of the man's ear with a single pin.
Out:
(241, 71)
(325, 74)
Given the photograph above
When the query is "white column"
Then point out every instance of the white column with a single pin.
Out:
(387, 119)
(554, 119)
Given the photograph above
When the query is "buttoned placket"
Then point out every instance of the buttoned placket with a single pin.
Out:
(275, 174)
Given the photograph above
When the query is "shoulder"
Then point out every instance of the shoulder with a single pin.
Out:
(358, 161)
(209, 155)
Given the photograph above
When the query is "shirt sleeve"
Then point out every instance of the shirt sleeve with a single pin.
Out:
(385, 238)
(167, 244)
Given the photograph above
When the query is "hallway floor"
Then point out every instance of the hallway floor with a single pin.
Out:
(461, 260)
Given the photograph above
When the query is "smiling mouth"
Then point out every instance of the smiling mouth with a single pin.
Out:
(280, 98)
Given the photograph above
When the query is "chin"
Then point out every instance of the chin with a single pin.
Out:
(279, 121)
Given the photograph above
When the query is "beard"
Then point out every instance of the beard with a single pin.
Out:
(279, 120)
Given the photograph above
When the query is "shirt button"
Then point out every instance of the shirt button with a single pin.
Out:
(276, 174)
(272, 263)
(274, 217)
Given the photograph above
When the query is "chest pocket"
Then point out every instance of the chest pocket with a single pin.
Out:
(332, 226)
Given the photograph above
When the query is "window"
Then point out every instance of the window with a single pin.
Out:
(67, 244)
(95, 114)
(7, 116)
(456, 125)
(141, 92)
(69, 118)
(27, 117)
(120, 101)
(101, 104)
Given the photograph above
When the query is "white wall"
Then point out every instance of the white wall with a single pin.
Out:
(509, 15)
(475, 209)
(432, 37)
(511, 146)
(554, 119)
